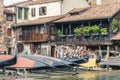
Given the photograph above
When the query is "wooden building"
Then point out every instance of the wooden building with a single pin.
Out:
(37, 36)
(106, 18)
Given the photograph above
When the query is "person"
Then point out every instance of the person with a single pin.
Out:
(25, 52)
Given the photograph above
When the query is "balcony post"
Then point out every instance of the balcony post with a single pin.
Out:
(100, 53)
(69, 29)
(108, 52)
(62, 28)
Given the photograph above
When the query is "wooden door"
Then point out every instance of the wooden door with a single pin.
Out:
(52, 51)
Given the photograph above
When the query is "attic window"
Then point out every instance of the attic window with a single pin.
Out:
(76, 13)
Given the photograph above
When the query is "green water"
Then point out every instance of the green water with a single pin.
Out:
(63, 75)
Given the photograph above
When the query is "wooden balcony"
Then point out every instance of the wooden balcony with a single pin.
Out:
(94, 39)
(34, 38)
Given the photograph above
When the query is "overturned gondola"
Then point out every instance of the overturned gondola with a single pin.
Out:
(7, 60)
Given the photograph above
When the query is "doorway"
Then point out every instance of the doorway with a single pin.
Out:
(52, 51)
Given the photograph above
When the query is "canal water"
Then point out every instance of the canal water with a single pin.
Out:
(67, 75)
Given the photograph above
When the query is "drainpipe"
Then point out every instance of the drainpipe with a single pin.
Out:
(61, 7)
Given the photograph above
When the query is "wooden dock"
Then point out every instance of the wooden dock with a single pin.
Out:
(111, 63)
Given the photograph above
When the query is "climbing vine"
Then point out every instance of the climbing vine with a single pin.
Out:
(114, 24)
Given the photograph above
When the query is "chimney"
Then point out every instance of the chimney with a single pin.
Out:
(98, 2)
(1, 11)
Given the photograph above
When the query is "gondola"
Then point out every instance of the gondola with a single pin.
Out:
(8, 62)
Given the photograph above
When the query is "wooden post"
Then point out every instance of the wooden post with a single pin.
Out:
(108, 52)
(62, 28)
(116, 47)
(100, 53)
(69, 29)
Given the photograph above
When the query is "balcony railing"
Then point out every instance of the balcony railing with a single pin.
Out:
(83, 39)
(35, 38)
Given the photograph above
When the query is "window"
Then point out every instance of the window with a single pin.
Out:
(26, 13)
(9, 17)
(42, 11)
(9, 32)
(20, 13)
(33, 12)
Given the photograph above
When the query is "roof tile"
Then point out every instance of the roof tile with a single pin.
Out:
(39, 21)
(97, 12)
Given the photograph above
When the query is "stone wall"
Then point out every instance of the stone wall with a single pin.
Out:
(1, 10)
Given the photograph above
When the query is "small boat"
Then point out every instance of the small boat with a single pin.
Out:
(49, 61)
(8, 62)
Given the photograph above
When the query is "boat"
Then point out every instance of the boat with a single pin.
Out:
(8, 62)
(50, 61)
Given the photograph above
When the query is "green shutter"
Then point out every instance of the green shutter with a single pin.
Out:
(19, 13)
(26, 13)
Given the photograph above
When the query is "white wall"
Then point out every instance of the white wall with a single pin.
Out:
(71, 4)
(27, 47)
(52, 9)
(98, 2)
(45, 49)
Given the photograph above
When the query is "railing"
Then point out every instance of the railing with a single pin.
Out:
(35, 38)
(83, 39)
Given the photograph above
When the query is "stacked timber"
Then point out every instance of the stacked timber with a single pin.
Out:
(115, 62)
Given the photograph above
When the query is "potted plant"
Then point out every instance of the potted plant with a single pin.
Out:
(95, 29)
(59, 32)
(86, 29)
(103, 31)
(78, 31)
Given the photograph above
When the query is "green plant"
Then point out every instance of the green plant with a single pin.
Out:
(95, 28)
(59, 32)
(78, 31)
(114, 24)
(103, 30)
(86, 29)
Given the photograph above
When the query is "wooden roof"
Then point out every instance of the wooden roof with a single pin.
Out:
(116, 36)
(97, 12)
(110, 1)
(77, 10)
(8, 11)
(39, 21)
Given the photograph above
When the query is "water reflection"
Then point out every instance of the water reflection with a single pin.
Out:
(82, 75)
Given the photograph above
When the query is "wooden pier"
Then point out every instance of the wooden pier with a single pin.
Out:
(111, 63)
